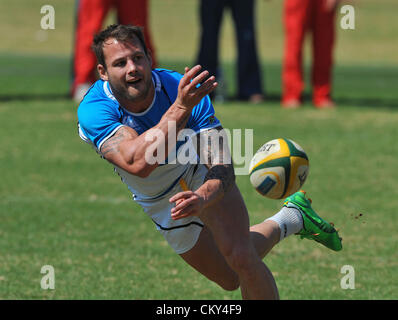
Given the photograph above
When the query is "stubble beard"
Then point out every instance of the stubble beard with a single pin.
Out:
(123, 94)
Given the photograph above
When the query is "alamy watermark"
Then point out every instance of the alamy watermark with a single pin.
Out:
(347, 22)
(348, 281)
(48, 19)
(183, 148)
(48, 280)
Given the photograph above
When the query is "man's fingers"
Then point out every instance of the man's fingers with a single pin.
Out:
(200, 78)
(193, 88)
(189, 74)
(208, 86)
(176, 217)
(183, 213)
(182, 205)
(180, 195)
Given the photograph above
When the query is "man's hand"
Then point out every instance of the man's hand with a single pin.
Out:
(189, 94)
(188, 203)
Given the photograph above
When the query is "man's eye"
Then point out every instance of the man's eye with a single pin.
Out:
(120, 64)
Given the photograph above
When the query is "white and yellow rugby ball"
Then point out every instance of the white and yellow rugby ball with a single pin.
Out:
(279, 168)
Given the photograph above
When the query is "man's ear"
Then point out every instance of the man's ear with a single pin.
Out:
(102, 72)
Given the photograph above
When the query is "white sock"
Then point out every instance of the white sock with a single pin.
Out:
(289, 220)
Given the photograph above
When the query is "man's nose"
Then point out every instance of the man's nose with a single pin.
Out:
(131, 67)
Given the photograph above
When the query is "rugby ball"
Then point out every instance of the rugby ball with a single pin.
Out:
(279, 168)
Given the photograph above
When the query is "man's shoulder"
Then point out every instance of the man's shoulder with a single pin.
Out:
(97, 109)
(100, 90)
(98, 95)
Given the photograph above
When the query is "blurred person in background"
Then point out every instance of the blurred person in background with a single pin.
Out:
(249, 71)
(90, 15)
(318, 17)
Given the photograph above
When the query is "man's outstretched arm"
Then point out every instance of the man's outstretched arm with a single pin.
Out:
(215, 155)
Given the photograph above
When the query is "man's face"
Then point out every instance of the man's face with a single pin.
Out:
(128, 70)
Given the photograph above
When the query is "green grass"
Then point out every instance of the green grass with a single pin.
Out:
(61, 205)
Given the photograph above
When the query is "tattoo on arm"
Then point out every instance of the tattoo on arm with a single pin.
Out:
(215, 154)
(224, 173)
(112, 145)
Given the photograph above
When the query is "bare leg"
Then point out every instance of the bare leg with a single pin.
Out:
(208, 260)
(228, 222)
(264, 236)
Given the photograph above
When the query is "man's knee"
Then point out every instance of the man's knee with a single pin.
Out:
(241, 259)
(229, 284)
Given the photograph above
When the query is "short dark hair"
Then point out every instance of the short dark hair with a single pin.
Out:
(120, 32)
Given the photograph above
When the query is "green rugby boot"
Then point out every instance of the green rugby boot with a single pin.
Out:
(315, 228)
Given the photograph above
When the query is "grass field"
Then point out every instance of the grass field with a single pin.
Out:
(61, 205)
